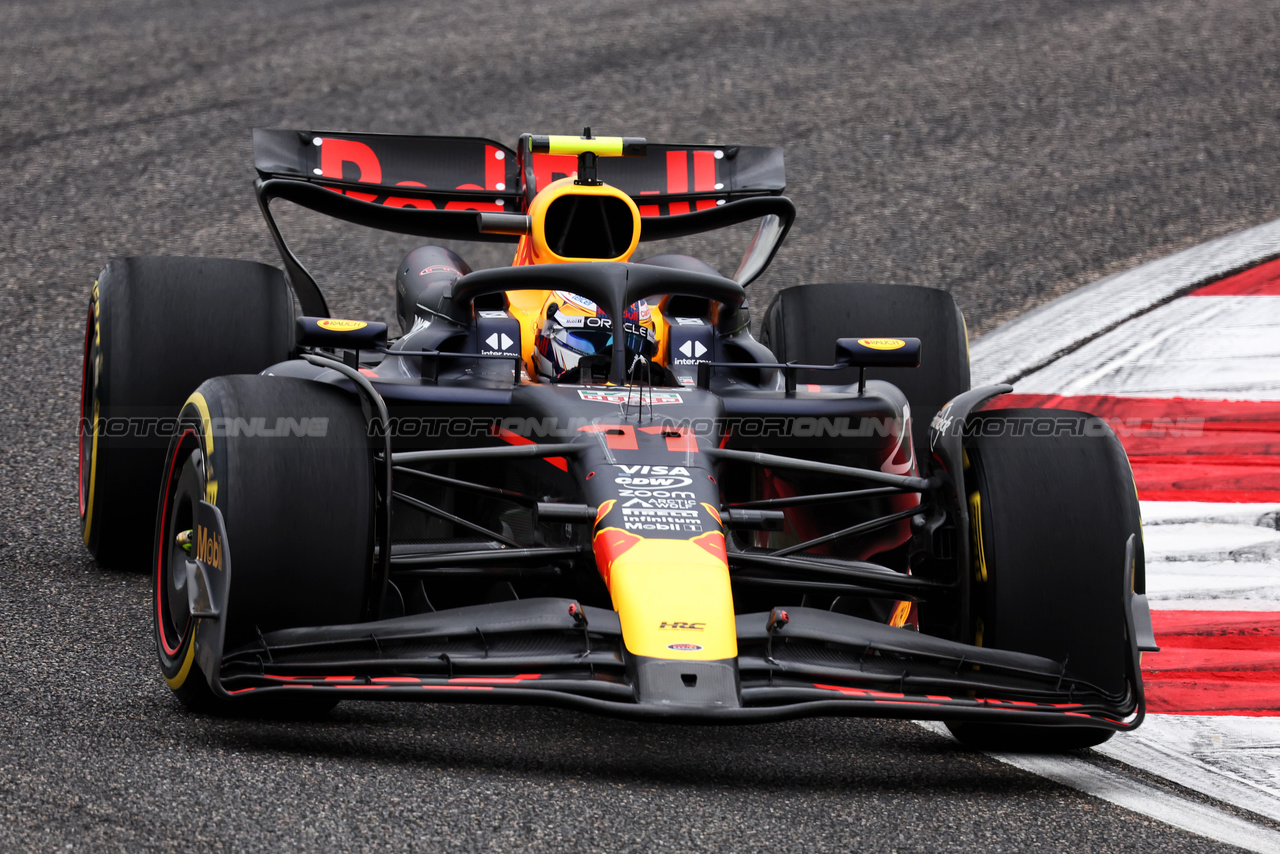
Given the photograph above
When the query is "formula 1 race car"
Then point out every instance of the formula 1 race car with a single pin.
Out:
(580, 480)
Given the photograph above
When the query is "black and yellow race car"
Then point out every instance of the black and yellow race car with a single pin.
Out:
(580, 480)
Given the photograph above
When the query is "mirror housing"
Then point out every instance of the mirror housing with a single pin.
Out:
(878, 352)
(340, 334)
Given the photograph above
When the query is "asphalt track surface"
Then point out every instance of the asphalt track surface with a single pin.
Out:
(1005, 151)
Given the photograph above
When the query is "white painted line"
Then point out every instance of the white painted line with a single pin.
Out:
(1130, 336)
(1148, 800)
(1233, 759)
(1145, 799)
(1203, 556)
(1178, 512)
(1228, 586)
(1035, 339)
(1122, 347)
(1213, 348)
(1209, 541)
(1265, 603)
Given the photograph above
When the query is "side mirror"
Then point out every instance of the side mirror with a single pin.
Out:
(878, 352)
(340, 334)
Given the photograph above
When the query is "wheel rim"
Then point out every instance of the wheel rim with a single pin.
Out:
(184, 488)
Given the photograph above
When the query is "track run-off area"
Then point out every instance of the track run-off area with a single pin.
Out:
(1010, 153)
(1189, 378)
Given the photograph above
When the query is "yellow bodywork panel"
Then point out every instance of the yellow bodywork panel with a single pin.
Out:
(603, 146)
(673, 596)
(533, 247)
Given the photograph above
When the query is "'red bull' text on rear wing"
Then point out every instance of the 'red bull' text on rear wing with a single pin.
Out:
(433, 186)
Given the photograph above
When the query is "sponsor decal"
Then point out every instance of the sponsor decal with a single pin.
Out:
(208, 547)
(689, 321)
(663, 503)
(693, 350)
(658, 470)
(685, 171)
(653, 477)
(684, 647)
(493, 315)
(589, 305)
(499, 342)
(335, 325)
(940, 425)
(654, 482)
(678, 624)
(654, 398)
(643, 513)
(340, 157)
(439, 268)
(883, 343)
(591, 321)
(580, 301)
(645, 519)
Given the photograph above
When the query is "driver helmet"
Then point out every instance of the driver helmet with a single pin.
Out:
(574, 326)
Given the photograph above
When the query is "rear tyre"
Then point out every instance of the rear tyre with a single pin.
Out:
(157, 327)
(802, 324)
(287, 463)
(1052, 506)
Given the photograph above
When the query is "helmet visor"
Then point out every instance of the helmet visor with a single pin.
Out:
(587, 342)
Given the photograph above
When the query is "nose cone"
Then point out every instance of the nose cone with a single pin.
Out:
(673, 597)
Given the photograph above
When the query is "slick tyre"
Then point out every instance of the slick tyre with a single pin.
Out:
(802, 324)
(287, 463)
(1052, 505)
(158, 327)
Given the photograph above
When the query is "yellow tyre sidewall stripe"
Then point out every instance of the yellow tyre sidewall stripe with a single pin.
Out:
(93, 443)
(201, 405)
(211, 482)
(179, 679)
(975, 521)
(93, 474)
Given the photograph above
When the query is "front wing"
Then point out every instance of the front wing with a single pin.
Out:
(798, 663)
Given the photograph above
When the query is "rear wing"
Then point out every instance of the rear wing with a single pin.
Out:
(433, 186)
(450, 172)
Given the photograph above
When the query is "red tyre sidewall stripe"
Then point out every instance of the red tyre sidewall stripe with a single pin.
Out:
(171, 651)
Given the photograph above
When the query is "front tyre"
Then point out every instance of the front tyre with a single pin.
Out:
(287, 463)
(1052, 505)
